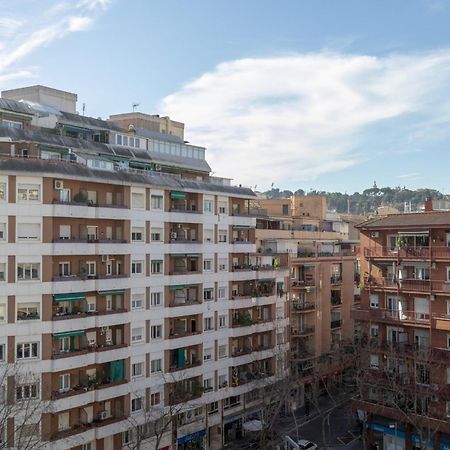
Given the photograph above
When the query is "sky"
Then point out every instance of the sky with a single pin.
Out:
(321, 94)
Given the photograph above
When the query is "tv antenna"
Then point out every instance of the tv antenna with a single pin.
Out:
(84, 108)
(135, 105)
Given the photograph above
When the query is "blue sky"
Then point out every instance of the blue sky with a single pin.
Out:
(316, 94)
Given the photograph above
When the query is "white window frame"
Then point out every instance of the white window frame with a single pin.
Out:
(156, 299)
(32, 348)
(30, 267)
(156, 332)
(156, 365)
(137, 335)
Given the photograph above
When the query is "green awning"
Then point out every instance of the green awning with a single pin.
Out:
(115, 158)
(68, 334)
(157, 260)
(7, 115)
(193, 255)
(241, 227)
(208, 289)
(112, 292)
(139, 165)
(76, 129)
(182, 286)
(48, 148)
(71, 297)
(178, 195)
(308, 266)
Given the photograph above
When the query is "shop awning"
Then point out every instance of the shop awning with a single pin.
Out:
(71, 297)
(308, 266)
(241, 227)
(68, 334)
(157, 260)
(191, 437)
(178, 195)
(112, 292)
(8, 115)
(48, 148)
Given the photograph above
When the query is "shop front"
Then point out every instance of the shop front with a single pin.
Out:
(194, 441)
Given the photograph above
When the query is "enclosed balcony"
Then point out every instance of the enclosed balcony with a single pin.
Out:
(183, 326)
(253, 288)
(73, 268)
(242, 234)
(77, 381)
(185, 202)
(256, 370)
(185, 263)
(184, 295)
(79, 304)
(66, 230)
(184, 358)
(250, 316)
(184, 233)
(184, 390)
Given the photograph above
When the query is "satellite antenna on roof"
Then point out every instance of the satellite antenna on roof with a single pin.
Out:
(135, 105)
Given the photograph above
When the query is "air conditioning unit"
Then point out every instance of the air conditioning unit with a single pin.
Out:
(103, 415)
(59, 184)
(158, 167)
(375, 234)
(173, 235)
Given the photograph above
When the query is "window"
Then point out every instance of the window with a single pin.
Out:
(208, 384)
(156, 266)
(374, 330)
(208, 235)
(28, 193)
(155, 399)
(125, 140)
(157, 201)
(223, 264)
(156, 234)
(223, 381)
(28, 311)
(208, 324)
(2, 191)
(156, 365)
(222, 351)
(2, 231)
(213, 407)
(207, 354)
(137, 404)
(208, 294)
(448, 340)
(137, 335)
(137, 234)
(223, 207)
(374, 362)
(156, 331)
(448, 409)
(222, 235)
(118, 139)
(422, 373)
(64, 382)
(374, 301)
(64, 195)
(285, 210)
(222, 321)
(137, 369)
(88, 446)
(2, 352)
(137, 301)
(2, 272)
(2, 313)
(91, 267)
(28, 231)
(207, 265)
(208, 206)
(137, 267)
(448, 306)
(137, 200)
(64, 269)
(27, 391)
(65, 232)
(448, 273)
(222, 292)
(27, 350)
(28, 271)
(156, 298)
(109, 304)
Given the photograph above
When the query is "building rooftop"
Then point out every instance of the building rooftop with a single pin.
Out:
(427, 219)
(15, 106)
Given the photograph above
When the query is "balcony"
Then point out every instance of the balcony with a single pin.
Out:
(336, 324)
(254, 371)
(336, 299)
(184, 295)
(336, 279)
(387, 315)
(307, 283)
(184, 391)
(183, 327)
(304, 330)
(185, 202)
(184, 358)
(405, 284)
(441, 322)
(303, 307)
(184, 264)
(410, 252)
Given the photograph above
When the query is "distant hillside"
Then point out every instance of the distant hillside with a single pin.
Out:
(369, 200)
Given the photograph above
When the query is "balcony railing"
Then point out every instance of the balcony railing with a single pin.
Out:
(336, 279)
(405, 284)
(302, 331)
(336, 324)
(433, 252)
(307, 282)
(304, 306)
(390, 315)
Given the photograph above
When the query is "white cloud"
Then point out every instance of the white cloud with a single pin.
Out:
(27, 34)
(290, 118)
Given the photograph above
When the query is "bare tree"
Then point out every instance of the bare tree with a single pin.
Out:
(21, 409)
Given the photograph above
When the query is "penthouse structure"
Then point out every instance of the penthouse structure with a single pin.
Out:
(404, 319)
(127, 320)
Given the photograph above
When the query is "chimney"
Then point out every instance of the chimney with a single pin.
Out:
(428, 204)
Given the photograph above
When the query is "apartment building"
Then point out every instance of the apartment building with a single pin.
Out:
(323, 287)
(404, 319)
(134, 309)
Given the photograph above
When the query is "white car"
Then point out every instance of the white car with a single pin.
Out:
(307, 445)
